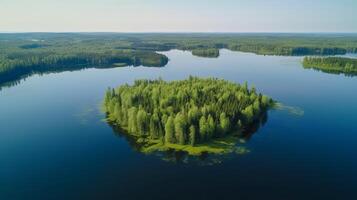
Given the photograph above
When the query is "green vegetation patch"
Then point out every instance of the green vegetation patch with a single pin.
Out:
(209, 53)
(223, 145)
(194, 115)
(336, 65)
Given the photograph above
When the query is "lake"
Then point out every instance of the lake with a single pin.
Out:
(54, 143)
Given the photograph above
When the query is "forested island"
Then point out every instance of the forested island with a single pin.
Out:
(22, 64)
(23, 54)
(195, 115)
(336, 65)
(208, 53)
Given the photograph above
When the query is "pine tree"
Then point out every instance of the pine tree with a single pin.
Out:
(155, 131)
(132, 125)
(265, 101)
(108, 96)
(203, 128)
(224, 123)
(192, 135)
(180, 128)
(193, 115)
(248, 113)
(152, 129)
(117, 112)
(141, 120)
(211, 126)
(170, 130)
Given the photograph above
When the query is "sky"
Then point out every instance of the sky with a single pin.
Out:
(178, 15)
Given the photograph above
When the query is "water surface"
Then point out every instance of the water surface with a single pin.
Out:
(55, 145)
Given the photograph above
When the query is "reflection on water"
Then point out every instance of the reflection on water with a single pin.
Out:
(331, 71)
(44, 143)
(16, 76)
(172, 155)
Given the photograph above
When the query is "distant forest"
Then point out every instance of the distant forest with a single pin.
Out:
(23, 54)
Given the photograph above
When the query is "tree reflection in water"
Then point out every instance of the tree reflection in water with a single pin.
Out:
(205, 158)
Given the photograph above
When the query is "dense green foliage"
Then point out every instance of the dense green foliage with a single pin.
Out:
(259, 43)
(337, 65)
(286, 50)
(209, 53)
(191, 111)
(23, 54)
(17, 64)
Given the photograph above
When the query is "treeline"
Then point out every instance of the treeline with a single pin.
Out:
(287, 51)
(337, 65)
(183, 112)
(209, 53)
(263, 44)
(25, 53)
(19, 64)
(211, 49)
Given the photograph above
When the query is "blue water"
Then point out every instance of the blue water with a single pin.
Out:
(54, 143)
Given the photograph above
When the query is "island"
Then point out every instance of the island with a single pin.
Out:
(335, 65)
(196, 115)
(207, 53)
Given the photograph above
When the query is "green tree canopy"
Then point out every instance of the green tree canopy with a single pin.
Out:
(184, 112)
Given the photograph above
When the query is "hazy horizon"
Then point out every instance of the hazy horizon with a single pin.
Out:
(178, 32)
(159, 16)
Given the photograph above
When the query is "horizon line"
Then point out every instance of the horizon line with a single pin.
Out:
(183, 32)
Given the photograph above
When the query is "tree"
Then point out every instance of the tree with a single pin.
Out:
(192, 135)
(152, 129)
(141, 120)
(108, 96)
(164, 119)
(170, 130)
(211, 126)
(132, 125)
(117, 112)
(180, 128)
(248, 113)
(256, 106)
(224, 123)
(193, 115)
(203, 128)
(265, 101)
(155, 131)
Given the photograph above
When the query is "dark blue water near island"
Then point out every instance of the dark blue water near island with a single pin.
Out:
(54, 143)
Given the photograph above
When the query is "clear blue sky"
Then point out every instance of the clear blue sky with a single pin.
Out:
(179, 15)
